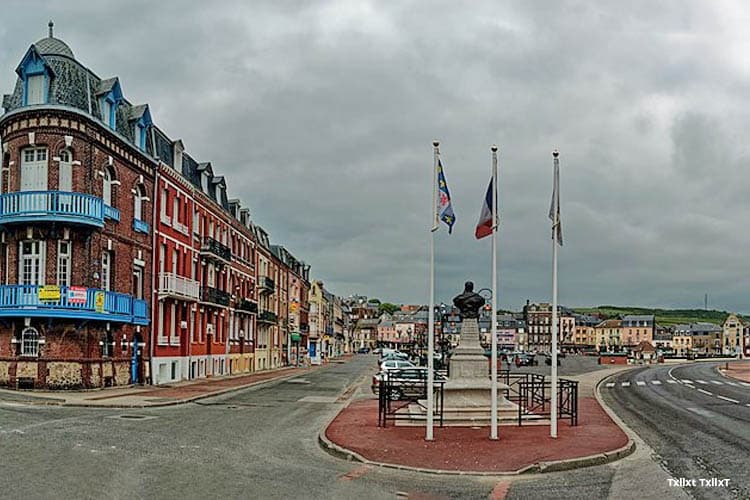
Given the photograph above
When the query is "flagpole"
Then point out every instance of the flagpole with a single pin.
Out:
(493, 317)
(431, 313)
(556, 221)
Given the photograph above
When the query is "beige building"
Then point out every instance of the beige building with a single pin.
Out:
(731, 337)
(609, 335)
(636, 329)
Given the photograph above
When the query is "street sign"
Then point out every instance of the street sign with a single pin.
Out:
(99, 301)
(76, 295)
(296, 337)
(49, 292)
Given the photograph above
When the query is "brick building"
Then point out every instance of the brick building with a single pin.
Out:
(78, 167)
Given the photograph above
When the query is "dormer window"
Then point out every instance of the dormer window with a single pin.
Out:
(36, 75)
(110, 96)
(142, 118)
(204, 182)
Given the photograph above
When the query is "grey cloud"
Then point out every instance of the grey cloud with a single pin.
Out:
(321, 115)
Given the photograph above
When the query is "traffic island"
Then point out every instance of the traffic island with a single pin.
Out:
(354, 434)
(738, 370)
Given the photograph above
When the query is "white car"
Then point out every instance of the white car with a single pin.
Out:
(396, 364)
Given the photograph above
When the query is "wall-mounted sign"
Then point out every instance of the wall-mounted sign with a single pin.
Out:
(76, 295)
(99, 301)
(49, 292)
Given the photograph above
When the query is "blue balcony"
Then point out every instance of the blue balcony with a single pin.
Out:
(111, 213)
(53, 206)
(140, 226)
(71, 302)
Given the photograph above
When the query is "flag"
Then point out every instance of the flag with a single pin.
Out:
(484, 226)
(444, 208)
(554, 209)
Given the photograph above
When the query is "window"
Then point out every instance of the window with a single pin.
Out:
(138, 282)
(162, 256)
(140, 197)
(63, 263)
(175, 260)
(109, 181)
(164, 202)
(31, 263)
(35, 89)
(107, 264)
(139, 136)
(30, 341)
(196, 222)
(34, 169)
(176, 210)
(65, 182)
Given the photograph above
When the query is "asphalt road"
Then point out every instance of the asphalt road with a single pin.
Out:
(696, 421)
(261, 443)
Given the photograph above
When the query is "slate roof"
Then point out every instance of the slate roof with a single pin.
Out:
(53, 46)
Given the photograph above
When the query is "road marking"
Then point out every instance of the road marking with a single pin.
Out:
(706, 392)
(355, 473)
(727, 399)
(702, 382)
(610, 384)
(670, 381)
(731, 383)
(656, 382)
(717, 382)
(500, 490)
(640, 382)
(625, 384)
(701, 412)
(745, 384)
(686, 381)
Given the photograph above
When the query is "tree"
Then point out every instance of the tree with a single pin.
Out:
(389, 308)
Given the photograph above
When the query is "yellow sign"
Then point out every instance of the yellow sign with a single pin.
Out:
(293, 307)
(99, 301)
(49, 292)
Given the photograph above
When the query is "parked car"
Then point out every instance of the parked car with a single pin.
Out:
(548, 360)
(394, 356)
(363, 350)
(524, 359)
(377, 350)
(404, 383)
(396, 364)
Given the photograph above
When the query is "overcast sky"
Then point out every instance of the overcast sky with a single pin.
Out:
(321, 116)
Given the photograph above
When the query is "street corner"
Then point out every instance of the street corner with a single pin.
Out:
(354, 434)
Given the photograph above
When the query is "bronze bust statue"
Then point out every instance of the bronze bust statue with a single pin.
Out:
(469, 302)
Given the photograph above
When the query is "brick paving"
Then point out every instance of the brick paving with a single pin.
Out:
(469, 449)
(739, 370)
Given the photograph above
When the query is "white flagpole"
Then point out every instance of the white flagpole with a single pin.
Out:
(555, 222)
(493, 316)
(431, 313)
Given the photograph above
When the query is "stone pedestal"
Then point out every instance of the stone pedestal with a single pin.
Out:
(468, 392)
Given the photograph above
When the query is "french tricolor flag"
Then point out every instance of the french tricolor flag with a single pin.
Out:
(484, 227)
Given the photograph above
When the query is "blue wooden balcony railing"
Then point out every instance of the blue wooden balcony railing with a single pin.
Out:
(140, 226)
(72, 302)
(54, 206)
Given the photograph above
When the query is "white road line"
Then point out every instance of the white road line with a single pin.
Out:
(706, 392)
(686, 381)
(610, 384)
(730, 383)
(656, 382)
(727, 399)
(745, 384)
(641, 382)
(717, 382)
(670, 381)
(702, 382)
(748, 405)
(625, 384)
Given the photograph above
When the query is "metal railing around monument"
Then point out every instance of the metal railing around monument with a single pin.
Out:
(402, 388)
(532, 393)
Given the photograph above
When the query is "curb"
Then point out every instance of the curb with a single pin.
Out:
(340, 452)
(723, 374)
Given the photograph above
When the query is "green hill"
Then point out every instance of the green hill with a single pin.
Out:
(665, 317)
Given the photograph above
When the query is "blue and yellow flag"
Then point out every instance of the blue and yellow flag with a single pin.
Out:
(444, 208)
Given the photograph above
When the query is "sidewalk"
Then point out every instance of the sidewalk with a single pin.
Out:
(739, 370)
(596, 439)
(142, 397)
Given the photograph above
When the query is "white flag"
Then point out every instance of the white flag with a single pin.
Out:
(554, 209)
